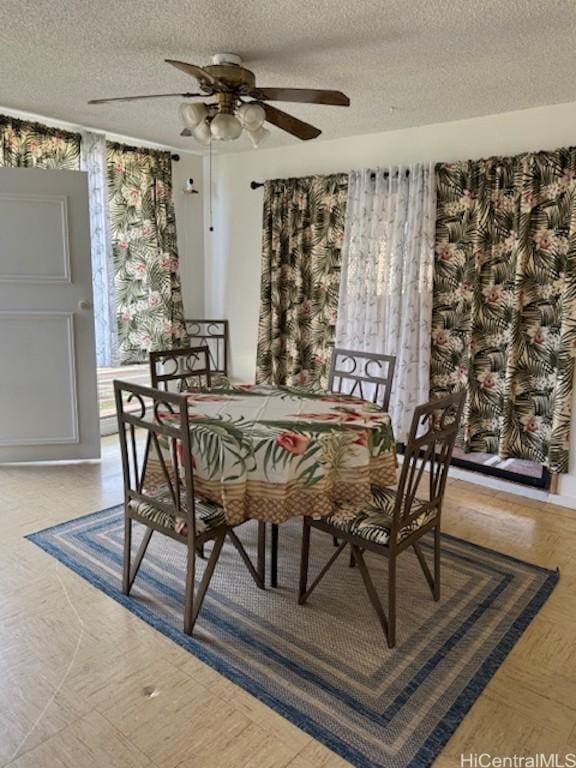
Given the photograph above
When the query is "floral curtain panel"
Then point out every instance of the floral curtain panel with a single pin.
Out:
(504, 320)
(303, 231)
(33, 145)
(143, 234)
(386, 287)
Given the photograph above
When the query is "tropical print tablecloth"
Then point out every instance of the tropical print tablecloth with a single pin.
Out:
(272, 453)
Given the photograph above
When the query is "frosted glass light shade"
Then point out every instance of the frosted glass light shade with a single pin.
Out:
(258, 136)
(192, 114)
(202, 133)
(225, 127)
(251, 116)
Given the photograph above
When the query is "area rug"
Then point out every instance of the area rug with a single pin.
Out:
(325, 666)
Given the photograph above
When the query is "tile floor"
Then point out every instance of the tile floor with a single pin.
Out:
(85, 684)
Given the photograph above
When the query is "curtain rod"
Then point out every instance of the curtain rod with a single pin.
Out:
(258, 184)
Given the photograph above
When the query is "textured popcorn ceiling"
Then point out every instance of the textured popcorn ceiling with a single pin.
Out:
(402, 62)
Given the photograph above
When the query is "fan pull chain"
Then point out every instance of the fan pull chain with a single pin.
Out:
(210, 181)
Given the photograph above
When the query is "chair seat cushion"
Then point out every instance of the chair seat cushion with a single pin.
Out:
(208, 515)
(198, 384)
(219, 380)
(373, 523)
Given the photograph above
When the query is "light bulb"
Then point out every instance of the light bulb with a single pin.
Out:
(225, 127)
(258, 136)
(251, 116)
(192, 114)
(202, 132)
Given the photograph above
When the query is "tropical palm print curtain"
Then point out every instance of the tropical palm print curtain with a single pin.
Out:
(504, 320)
(301, 253)
(143, 232)
(33, 145)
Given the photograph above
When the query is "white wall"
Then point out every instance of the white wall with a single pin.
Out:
(232, 251)
(190, 232)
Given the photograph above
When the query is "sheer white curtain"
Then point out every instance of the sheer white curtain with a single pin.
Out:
(93, 161)
(386, 282)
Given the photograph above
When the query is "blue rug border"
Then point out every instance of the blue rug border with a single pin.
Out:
(435, 741)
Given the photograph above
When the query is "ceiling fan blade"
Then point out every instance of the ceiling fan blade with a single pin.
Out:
(203, 77)
(301, 95)
(290, 124)
(149, 96)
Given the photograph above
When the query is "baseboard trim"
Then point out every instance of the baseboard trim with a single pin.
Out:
(498, 484)
(562, 501)
(488, 481)
(516, 488)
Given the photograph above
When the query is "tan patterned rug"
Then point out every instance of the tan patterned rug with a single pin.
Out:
(325, 666)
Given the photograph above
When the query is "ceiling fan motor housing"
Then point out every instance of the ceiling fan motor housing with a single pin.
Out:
(227, 67)
(226, 58)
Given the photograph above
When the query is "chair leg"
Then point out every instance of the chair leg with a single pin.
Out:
(424, 566)
(352, 561)
(261, 551)
(373, 595)
(247, 562)
(274, 556)
(392, 600)
(130, 573)
(190, 620)
(304, 558)
(189, 593)
(127, 554)
(200, 551)
(437, 558)
(335, 541)
(304, 595)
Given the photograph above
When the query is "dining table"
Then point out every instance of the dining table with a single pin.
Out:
(271, 453)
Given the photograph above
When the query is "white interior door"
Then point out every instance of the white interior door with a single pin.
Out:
(48, 390)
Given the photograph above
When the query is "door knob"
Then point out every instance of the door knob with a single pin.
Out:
(84, 305)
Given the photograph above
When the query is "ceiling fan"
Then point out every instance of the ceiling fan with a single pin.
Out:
(239, 104)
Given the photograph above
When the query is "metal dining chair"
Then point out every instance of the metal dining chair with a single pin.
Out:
(214, 334)
(364, 374)
(396, 520)
(155, 443)
(181, 369)
(367, 375)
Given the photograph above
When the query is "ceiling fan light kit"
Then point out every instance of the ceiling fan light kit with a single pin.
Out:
(230, 115)
(202, 133)
(258, 136)
(192, 114)
(251, 115)
(225, 127)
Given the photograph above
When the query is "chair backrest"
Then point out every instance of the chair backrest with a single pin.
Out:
(154, 432)
(365, 374)
(426, 459)
(213, 334)
(187, 368)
